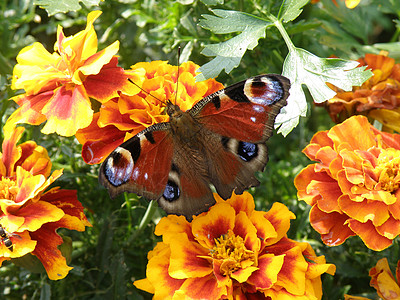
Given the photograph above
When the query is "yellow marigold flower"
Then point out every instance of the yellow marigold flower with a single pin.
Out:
(382, 279)
(233, 252)
(378, 98)
(136, 109)
(58, 85)
(354, 186)
(29, 215)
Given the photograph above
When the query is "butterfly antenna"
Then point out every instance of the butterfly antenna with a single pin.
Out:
(177, 77)
(146, 92)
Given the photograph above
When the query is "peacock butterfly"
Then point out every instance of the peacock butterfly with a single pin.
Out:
(220, 141)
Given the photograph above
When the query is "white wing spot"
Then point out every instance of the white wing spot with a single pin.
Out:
(135, 174)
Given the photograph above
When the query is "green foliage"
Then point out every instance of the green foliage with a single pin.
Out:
(229, 53)
(302, 67)
(54, 6)
(294, 38)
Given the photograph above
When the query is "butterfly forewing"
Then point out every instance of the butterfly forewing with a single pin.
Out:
(246, 110)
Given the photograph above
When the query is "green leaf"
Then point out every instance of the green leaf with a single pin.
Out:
(213, 2)
(55, 6)
(303, 67)
(392, 48)
(291, 9)
(228, 54)
(45, 292)
(118, 271)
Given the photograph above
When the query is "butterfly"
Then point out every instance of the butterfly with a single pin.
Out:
(219, 142)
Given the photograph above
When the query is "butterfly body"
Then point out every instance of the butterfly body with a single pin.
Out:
(219, 142)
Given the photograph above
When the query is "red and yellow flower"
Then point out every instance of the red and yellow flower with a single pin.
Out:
(382, 279)
(138, 108)
(233, 252)
(354, 186)
(30, 214)
(378, 98)
(58, 86)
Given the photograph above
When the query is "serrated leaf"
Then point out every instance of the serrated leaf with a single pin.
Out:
(228, 54)
(303, 67)
(292, 9)
(55, 6)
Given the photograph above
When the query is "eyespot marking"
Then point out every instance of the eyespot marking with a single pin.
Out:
(119, 166)
(172, 191)
(263, 90)
(247, 151)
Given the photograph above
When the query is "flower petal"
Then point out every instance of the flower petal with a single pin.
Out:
(368, 233)
(67, 111)
(203, 288)
(37, 214)
(112, 79)
(159, 279)
(11, 154)
(67, 201)
(331, 226)
(383, 281)
(29, 110)
(245, 229)
(240, 203)
(292, 274)
(279, 216)
(171, 225)
(98, 142)
(219, 219)
(36, 70)
(349, 131)
(267, 275)
(185, 261)
(366, 210)
(46, 250)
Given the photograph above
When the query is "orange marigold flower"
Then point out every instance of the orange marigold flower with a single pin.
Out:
(354, 187)
(29, 215)
(138, 108)
(233, 251)
(382, 279)
(58, 85)
(378, 98)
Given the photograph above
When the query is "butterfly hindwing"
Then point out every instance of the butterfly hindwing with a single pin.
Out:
(188, 189)
(141, 164)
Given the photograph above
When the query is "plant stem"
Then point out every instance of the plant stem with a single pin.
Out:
(278, 24)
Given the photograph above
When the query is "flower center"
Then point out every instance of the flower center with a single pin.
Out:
(8, 189)
(389, 169)
(231, 249)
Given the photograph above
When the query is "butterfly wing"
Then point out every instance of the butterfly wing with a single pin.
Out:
(246, 110)
(237, 121)
(153, 164)
(141, 164)
(188, 189)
